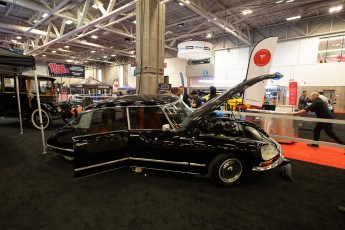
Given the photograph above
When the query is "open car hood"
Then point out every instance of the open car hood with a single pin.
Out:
(212, 105)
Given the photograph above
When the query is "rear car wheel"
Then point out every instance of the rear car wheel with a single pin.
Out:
(46, 118)
(226, 170)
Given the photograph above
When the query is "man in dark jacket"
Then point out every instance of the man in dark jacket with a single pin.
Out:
(321, 111)
(182, 93)
(195, 100)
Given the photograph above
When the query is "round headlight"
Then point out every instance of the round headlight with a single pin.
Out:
(268, 152)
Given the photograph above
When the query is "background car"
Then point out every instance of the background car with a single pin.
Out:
(28, 100)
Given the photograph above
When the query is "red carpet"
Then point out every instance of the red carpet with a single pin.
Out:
(324, 155)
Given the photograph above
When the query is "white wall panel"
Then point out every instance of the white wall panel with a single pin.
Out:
(175, 66)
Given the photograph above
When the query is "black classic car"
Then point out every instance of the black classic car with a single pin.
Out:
(51, 109)
(161, 132)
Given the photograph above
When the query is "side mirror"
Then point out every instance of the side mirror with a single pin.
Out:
(165, 127)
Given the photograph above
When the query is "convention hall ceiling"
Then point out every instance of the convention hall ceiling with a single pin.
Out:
(65, 30)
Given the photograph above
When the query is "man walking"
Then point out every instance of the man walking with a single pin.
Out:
(321, 111)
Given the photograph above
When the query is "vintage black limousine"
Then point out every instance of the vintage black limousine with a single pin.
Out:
(161, 132)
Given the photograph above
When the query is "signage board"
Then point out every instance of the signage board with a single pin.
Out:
(66, 70)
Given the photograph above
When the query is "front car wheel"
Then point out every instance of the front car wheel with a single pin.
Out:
(46, 118)
(226, 170)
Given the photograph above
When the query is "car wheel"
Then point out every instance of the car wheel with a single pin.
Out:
(46, 118)
(226, 170)
(74, 114)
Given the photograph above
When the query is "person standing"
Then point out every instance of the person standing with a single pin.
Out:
(213, 92)
(302, 101)
(195, 100)
(323, 97)
(321, 111)
(183, 95)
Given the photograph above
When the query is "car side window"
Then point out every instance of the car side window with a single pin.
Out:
(8, 84)
(147, 118)
(108, 120)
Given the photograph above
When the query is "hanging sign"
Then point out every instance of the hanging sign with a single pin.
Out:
(292, 93)
(66, 70)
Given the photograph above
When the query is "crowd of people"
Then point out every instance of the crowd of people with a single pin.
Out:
(193, 100)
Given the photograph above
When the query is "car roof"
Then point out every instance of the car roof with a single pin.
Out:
(135, 100)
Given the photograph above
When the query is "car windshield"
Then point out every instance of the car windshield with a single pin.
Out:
(178, 113)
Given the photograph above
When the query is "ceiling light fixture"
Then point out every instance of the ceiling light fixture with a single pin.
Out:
(113, 55)
(94, 36)
(19, 37)
(69, 60)
(54, 51)
(279, 1)
(187, 1)
(69, 22)
(43, 55)
(66, 47)
(335, 9)
(44, 15)
(209, 35)
(287, 1)
(293, 18)
(135, 21)
(245, 12)
(180, 3)
(92, 51)
(95, 6)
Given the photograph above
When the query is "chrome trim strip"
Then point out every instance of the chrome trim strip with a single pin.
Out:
(197, 165)
(158, 161)
(101, 164)
(166, 170)
(54, 147)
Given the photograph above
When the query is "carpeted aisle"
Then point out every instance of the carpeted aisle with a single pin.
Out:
(324, 155)
(37, 191)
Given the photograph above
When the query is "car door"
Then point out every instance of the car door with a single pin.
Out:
(103, 145)
(150, 147)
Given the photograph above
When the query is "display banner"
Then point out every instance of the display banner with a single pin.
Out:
(259, 64)
(292, 93)
(66, 70)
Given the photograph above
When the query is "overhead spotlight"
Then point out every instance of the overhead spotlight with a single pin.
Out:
(209, 35)
(287, 1)
(44, 15)
(66, 47)
(113, 55)
(85, 61)
(19, 37)
(105, 56)
(54, 51)
(245, 12)
(135, 21)
(214, 19)
(187, 1)
(69, 22)
(43, 55)
(335, 9)
(92, 51)
(95, 6)
(181, 4)
(281, 1)
(69, 60)
(94, 36)
(293, 18)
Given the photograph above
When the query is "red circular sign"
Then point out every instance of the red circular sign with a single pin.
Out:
(262, 57)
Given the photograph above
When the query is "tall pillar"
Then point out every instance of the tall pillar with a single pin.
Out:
(150, 40)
